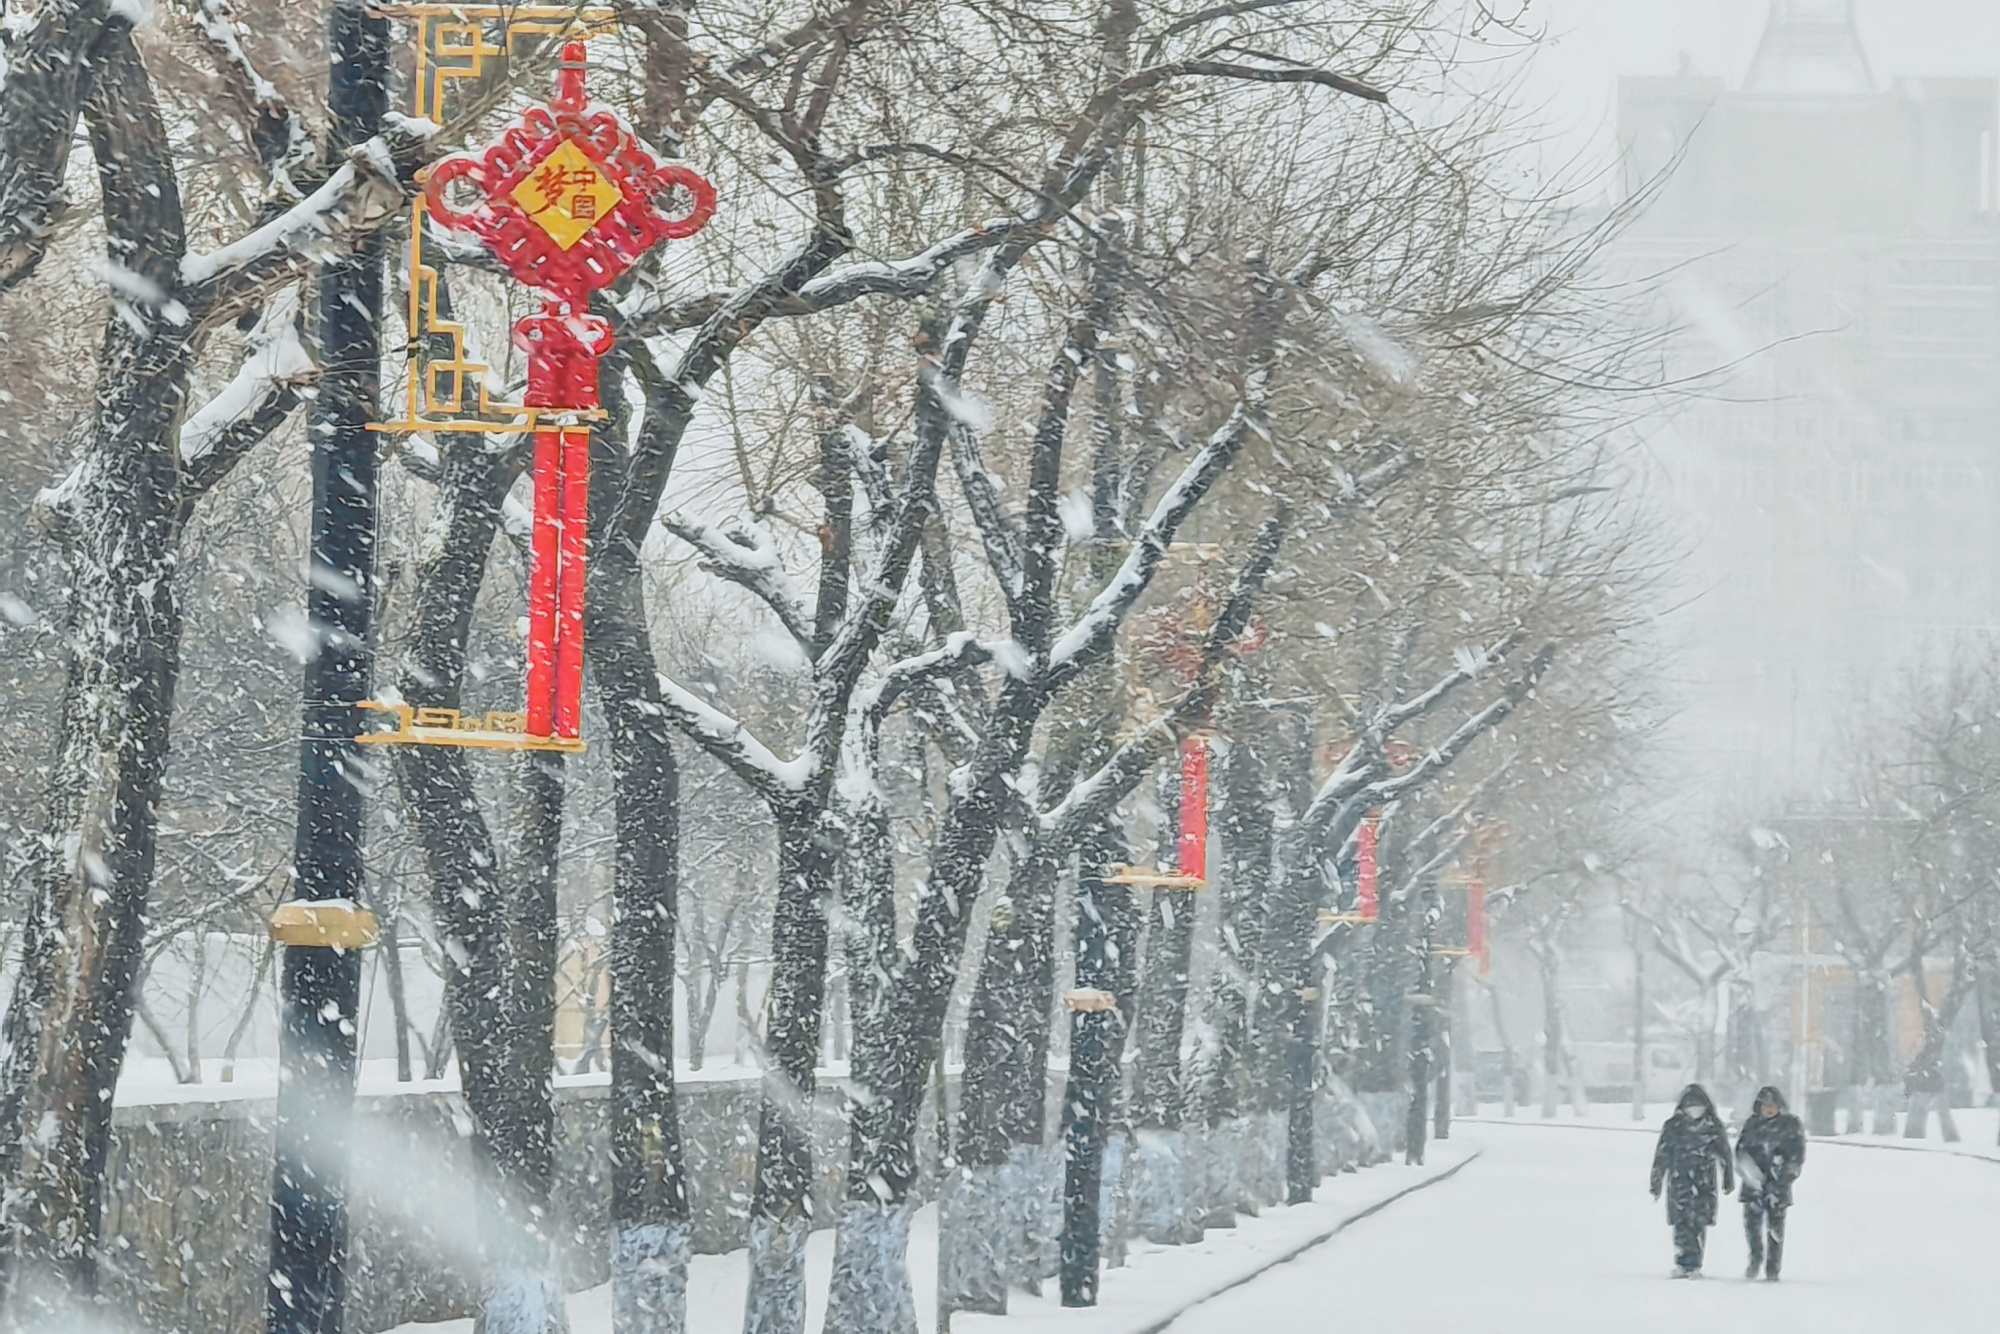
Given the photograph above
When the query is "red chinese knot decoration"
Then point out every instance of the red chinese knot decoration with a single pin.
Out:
(568, 199)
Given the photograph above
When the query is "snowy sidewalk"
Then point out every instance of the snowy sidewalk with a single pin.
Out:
(1156, 1284)
(1552, 1232)
(1978, 1128)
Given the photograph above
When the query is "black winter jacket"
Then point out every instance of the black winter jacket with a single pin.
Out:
(1770, 1152)
(1690, 1151)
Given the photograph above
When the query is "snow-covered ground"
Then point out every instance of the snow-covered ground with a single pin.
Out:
(1538, 1227)
(1551, 1231)
(1978, 1127)
(1156, 1281)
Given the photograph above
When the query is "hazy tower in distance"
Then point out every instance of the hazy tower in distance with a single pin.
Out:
(1810, 46)
(1830, 253)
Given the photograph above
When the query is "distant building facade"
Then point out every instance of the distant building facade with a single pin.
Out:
(1833, 245)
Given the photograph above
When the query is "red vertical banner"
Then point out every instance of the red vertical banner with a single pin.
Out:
(544, 541)
(569, 581)
(1475, 923)
(1366, 901)
(1478, 938)
(1191, 855)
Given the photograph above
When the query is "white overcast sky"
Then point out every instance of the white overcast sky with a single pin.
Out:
(1592, 42)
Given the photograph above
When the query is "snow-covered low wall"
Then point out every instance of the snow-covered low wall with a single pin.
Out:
(186, 1210)
(187, 1221)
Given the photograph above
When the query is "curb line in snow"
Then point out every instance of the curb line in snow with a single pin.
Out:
(1941, 1150)
(1291, 1253)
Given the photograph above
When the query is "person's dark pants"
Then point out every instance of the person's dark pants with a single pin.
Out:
(1688, 1239)
(1764, 1225)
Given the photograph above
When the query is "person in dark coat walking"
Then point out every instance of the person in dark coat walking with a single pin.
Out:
(1693, 1144)
(1769, 1153)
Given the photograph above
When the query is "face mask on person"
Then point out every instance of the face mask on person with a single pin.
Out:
(1693, 1111)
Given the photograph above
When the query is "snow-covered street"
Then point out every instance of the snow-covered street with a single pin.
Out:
(1546, 1230)
(1551, 1231)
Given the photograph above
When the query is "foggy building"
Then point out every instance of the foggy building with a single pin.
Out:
(1831, 242)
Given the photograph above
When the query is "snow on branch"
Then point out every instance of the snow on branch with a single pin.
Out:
(262, 394)
(1087, 640)
(1469, 665)
(650, 312)
(989, 516)
(1442, 755)
(743, 558)
(1673, 947)
(839, 666)
(1354, 772)
(863, 454)
(1443, 838)
(733, 744)
(960, 650)
(48, 49)
(277, 133)
(1093, 797)
(357, 198)
(1106, 117)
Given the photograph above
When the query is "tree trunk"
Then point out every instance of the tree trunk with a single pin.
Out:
(1552, 1035)
(1003, 1101)
(896, 1042)
(1105, 927)
(525, 1296)
(870, 1288)
(1225, 1064)
(1512, 1063)
(1989, 1021)
(399, 1005)
(1638, 1027)
(1161, 1207)
(1301, 1150)
(1003, 1098)
(650, 1214)
(92, 869)
(1704, 1038)
(498, 946)
(1160, 1097)
(1423, 1032)
(1871, 1065)
(781, 1210)
(1442, 1059)
(1245, 827)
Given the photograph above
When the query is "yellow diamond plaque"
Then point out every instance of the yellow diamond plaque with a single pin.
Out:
(567, 194)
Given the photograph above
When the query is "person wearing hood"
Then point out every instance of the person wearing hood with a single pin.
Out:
(1770, 1153)
(1693, 1145)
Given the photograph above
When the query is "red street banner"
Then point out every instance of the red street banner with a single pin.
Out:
(1191, 856)
(1364, 867)
(1475, 924)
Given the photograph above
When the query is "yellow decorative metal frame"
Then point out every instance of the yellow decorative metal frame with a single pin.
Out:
(494, 730)
(452, 43)
(324, 923)
(1146, 875)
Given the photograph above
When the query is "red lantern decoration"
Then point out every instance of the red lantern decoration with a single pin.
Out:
(567, 201)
